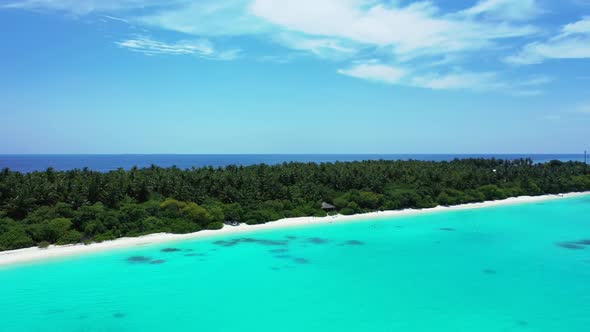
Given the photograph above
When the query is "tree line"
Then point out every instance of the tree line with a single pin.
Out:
(61, 207)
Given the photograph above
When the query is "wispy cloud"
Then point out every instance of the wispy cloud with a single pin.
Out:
(279, 58)
(417, 43)
(85, 7)
(526, 93)
(118, 19)
(506, 9)
(417, 29)
(572, 43)
(536, 80)
(202, 48)
(575, 112)
(328, 48)
(375, 72)
(528, 87)
(460, 80)
(207, 18)
(319, 27)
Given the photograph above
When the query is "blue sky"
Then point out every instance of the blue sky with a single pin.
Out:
(294, 76)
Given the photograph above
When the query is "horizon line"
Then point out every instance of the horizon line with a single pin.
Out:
(291, 154)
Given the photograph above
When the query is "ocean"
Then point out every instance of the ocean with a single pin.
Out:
(518, 267)
(105, 163)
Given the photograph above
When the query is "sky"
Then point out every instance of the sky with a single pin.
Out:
(294, 76)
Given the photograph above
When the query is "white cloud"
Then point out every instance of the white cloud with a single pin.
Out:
(581, 26)
(572, 43)
(417, 29)
(535, 53)
(278, 59)
(84, 7)
(572, 112)
(202, 48)
(536, 80)
(321, 27)
(321, 47)
(471, 81)
(506, 9)
(579, 111)
(529, 87)
(582, 3)
(418, 44)
(207, 18)
(118, 19)
(526, 93)
(375, 72)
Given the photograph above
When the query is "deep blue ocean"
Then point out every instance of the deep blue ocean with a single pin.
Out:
(105, 163)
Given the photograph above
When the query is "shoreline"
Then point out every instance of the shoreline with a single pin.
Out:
(36, 254)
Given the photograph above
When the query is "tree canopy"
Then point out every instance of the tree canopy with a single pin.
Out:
(60, 207)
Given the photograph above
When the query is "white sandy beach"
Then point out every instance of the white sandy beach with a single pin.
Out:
(38, 254)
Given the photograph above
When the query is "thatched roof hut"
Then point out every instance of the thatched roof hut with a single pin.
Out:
(328, 207)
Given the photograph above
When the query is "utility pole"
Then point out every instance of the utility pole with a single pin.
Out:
(586, 157)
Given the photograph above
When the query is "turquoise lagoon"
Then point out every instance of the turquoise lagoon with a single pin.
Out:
(509, 268)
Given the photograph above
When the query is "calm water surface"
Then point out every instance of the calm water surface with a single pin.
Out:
(512, 268)
(104, 163)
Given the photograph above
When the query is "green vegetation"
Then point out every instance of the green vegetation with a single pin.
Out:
(50, 207)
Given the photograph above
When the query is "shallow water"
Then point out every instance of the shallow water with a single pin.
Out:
(511, 268)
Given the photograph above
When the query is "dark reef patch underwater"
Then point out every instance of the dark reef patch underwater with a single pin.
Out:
(170, 250)
(119, 315)
(278, 251)
(144, 260)
(353, 243)
(138, 259)
(574, 245)
(300, 260)
(264, 242)
(317, 240)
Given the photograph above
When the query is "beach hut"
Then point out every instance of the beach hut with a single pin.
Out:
(328, 207)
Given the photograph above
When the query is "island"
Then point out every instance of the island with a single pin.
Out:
(85, 206)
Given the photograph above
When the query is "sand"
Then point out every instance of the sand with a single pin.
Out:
(33, 254)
